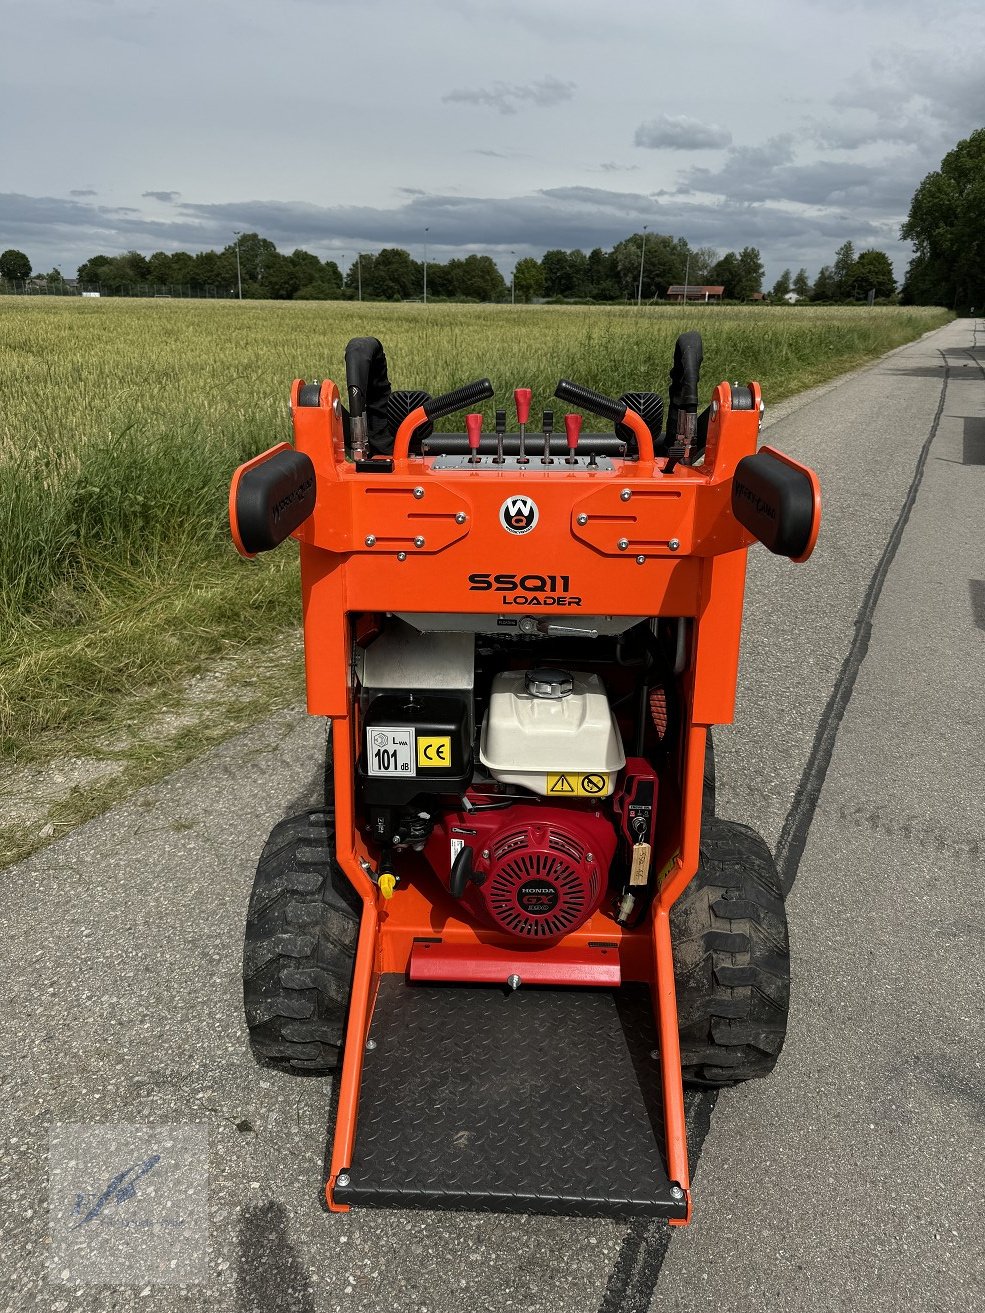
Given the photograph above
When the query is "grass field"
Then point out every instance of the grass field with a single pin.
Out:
(120, 422)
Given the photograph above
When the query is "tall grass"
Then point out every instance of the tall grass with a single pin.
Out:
(120, 422)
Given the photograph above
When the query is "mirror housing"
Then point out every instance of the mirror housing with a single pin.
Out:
(270, 496)
(779, 501)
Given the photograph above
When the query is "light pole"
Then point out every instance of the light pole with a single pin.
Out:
(513, 280)
(687, 270)
(239, 276)
(359, 273)
(639, 289)
(426, 231)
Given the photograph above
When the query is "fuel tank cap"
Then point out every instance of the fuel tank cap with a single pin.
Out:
(542, 682)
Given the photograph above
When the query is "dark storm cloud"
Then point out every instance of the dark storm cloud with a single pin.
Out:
(567, 217)
(69, 231)
(678, 132)
(166, 196)
(508, 97)
(770, 173)
(52, 221)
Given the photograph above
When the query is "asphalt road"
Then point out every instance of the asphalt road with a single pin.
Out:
(851, 1179)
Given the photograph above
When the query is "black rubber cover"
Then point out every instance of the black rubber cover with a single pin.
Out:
(273, 499)
(775, 502)
(538, 1101)
(368, 385)
(685, 375)
(398, 407)
(650, 406)
(587, 399)
(460, 399)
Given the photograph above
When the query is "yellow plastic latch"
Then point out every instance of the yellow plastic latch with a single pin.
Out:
(387, 883)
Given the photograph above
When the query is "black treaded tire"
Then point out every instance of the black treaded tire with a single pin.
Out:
(300, 946)
(731, 959)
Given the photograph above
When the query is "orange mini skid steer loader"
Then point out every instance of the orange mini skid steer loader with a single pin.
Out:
(516, 925)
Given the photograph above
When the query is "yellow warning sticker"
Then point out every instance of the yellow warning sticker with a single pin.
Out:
(578, 786)
(434, 752)
(667, 868)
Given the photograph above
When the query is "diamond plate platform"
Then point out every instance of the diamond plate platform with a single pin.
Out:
(538, 1101)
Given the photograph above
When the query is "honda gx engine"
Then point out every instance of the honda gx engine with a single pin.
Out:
(513, 782)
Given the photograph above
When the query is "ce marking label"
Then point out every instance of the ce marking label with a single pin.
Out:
(434, 751)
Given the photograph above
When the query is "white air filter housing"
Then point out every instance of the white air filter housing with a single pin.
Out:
(559, 747)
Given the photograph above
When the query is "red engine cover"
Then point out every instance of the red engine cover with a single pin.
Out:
(539, 872)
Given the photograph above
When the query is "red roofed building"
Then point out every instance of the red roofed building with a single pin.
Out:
(694, 292)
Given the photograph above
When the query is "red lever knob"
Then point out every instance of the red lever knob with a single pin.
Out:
(522, 396)
(572, 427)
(473, 424)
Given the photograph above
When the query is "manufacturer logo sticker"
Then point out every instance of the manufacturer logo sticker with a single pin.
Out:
(518, 514)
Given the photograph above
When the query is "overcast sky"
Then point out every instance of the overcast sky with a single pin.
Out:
(509, 127)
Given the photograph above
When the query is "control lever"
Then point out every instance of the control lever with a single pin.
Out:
(522, 397)
(608, 408)
(572, 427)
(547, 459)
(473, 424)
(499, 459)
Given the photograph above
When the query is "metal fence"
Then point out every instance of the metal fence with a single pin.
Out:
(161, 291)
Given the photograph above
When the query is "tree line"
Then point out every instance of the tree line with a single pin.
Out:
(641, 266)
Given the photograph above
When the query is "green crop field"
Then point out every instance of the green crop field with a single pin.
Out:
(121, 421)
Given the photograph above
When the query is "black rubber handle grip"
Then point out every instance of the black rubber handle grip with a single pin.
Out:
(586, 399)
(460, 399)
(686, 372)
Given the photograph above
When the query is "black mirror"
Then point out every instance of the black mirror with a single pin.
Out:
(269, 498)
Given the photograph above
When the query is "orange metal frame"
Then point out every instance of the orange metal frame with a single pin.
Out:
(630, 540)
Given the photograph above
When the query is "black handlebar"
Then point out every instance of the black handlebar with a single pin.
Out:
(586, 399)
(460, 399)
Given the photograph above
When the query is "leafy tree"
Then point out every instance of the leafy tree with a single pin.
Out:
(281, 278)
(751, 273)
(480, 279)
(946, 224)
(825, 285)
(361, 274)
(213, 270)
(782, 287)
(726, 273)
(603, 280)
(802, 284)
(578, 273)
(528, 280)
(254, 253)
(664, 262)
(14, 265)
(396, 276)
(308, 266)
(332, 275)
(873, 272)
(159, 267)
(183, 268)
(844, 268)
(91, 270)
(556, 268)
